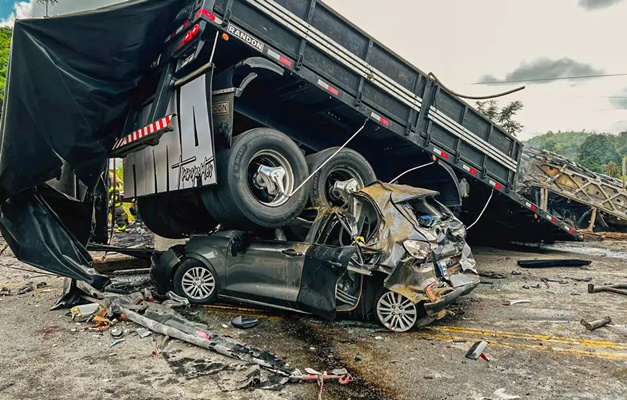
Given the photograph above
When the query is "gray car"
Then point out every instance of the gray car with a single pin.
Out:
(394, 253)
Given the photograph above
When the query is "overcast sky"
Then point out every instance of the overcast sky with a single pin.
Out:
(465, 42)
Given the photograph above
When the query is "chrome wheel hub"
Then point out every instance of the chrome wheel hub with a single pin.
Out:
(396, 312)
(198, 283)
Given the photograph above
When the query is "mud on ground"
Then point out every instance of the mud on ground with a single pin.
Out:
(537, 350)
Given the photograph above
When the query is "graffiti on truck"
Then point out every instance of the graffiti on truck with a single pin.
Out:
(203, 170)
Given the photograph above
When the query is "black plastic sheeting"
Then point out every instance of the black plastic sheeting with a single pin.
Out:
(70, 83)
(37, 237)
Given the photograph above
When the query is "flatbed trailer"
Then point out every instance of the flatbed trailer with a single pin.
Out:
(331, 76)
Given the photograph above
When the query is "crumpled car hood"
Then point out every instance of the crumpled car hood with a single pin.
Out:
(397, 223)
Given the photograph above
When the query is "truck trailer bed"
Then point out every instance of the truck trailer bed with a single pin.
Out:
(351, 76)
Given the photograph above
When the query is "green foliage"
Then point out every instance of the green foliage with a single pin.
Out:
(566, 144)
(597, 151)
(504, 117)
(5, 44)
(612, 169)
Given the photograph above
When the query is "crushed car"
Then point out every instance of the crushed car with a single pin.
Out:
(393, 252)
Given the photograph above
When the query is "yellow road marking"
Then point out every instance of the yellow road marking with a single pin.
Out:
(533, 337)
(502, 343)
(250, 312)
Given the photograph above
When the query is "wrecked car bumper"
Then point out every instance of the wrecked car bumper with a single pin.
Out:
(435, 309)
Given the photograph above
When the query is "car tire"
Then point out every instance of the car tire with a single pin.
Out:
(241, 199)
(175, 215)
(347, 164)
(195, 281)
(407, 313)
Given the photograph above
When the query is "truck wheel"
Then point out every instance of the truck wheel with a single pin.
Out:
(395, 311)
(255, 177)
(196, 282)
(175, 215)
(347, 164)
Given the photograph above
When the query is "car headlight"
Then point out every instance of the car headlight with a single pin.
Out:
(419, 250)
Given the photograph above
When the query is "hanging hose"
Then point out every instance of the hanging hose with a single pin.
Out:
(482, 211)
(494, 96)
(413, 169)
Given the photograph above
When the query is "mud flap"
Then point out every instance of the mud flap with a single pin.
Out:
(324, 266)
(37, 237)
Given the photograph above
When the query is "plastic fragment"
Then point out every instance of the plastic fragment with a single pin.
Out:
(142, 333)
(500, 394)
(116, 342)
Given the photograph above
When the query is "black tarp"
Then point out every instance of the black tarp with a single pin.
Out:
(37, 237)
(69, 85)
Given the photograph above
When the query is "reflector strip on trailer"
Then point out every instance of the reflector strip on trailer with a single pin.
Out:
(469, 169)
(206, 13)
(380, 119)
(329, 88)
(553, 219)
(441, 153)
(283, 60)
(532, 206)
(155, 127)
(496, 185)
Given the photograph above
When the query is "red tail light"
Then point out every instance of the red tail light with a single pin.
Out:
(192, 33)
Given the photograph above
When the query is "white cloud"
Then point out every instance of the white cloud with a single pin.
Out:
(21, 10)
(32, 9)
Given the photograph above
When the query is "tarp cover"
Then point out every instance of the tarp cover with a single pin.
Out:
(69, 85)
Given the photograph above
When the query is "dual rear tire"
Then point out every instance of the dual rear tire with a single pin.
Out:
(258, 178)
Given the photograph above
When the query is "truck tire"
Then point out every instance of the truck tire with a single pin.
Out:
(347, 164)
(175, 215)
(242, 199)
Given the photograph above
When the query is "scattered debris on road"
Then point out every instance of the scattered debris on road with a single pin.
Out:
(618, 289)
(592, 325)
(244, 322)
(5, 291)
(26, 288)
(553, 263)
(491, 275)
(143, 333)
(513, 302)
(477, 350)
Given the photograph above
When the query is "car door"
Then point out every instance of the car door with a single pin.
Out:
(267, 271)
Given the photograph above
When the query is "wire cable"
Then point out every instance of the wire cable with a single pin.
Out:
(411, 170)
(482, 211)
(558, 78)
(494, 96)
(328, 159)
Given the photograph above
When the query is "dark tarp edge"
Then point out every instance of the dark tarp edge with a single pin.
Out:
(69, 84)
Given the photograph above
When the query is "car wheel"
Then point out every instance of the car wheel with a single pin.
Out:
(395, 311)
(175, 215)
(347, 164)
(196, 282)
(255, 177)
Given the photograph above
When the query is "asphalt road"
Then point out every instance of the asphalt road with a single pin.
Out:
(537, 350)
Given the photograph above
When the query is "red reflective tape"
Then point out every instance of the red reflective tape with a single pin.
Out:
(384, 121)
(571, 230)
(285, 61)
(553, 219)
(333, 90)
(441, 153)
(498, 186)
(206, 13)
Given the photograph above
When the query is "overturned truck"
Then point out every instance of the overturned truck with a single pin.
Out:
(234, 115)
